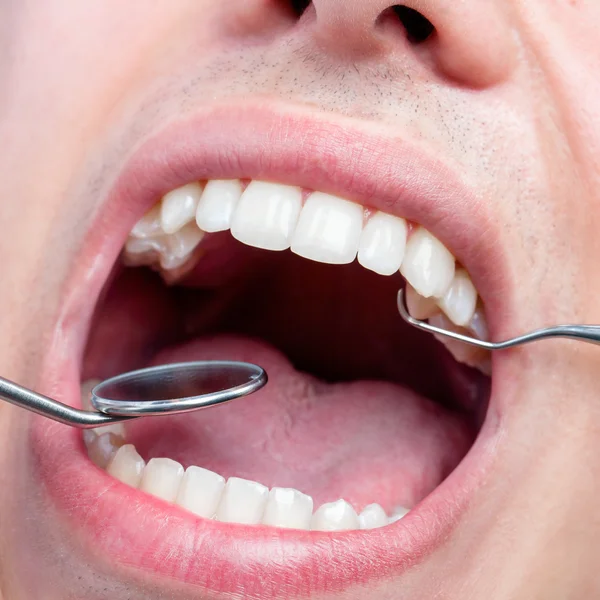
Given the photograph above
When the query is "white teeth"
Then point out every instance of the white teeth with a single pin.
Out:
(419, 307)
(101, 448)
(200, 491)
(464, 353)
(478, 325)
(398, 514)
(179, 247)
(372, 516)
(335, 516)
(149, 224)
(243, 501)
(460, 300)
(428, 266)
(161, 478)
(266, 215)
(288, 508)
(382, 244)
(127, 466)
(328, 230)
(217, 205)
(179, 207)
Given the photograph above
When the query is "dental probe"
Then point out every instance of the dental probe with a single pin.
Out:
(161, 390)
(582, 333)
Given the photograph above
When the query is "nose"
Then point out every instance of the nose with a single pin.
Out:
(467, 41)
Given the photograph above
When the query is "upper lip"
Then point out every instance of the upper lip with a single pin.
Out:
(287, 146)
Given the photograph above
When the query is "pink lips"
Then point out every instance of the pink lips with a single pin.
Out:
(135, 531)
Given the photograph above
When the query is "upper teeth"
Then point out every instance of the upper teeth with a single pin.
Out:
(320, 227)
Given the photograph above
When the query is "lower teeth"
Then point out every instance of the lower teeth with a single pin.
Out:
(208, 495)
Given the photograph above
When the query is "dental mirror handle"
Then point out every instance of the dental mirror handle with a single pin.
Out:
(47, 407)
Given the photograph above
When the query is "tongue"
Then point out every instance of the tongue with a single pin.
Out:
(364, 441)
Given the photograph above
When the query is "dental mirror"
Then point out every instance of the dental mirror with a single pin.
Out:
(161, 390)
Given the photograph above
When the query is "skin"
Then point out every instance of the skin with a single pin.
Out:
(507, 95)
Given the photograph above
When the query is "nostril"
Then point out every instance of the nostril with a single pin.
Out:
(300, 6)
(418, 28)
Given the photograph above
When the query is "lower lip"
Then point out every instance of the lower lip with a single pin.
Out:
(134, 530)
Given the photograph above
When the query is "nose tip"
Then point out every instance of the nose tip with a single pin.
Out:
(468, 41)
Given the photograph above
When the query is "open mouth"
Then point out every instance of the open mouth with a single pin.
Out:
(363, 420)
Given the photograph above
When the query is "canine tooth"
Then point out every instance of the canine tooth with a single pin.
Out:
(217, 205)
(428, 265)
(460, 300)
(148, 225)
(288, 508)
(200, 491)
(266, 215)
(179, 207)
(419, 307)
(382, 244)
(103, 447)
(335, 516)
(179, 246)
(243, 501)
(161, 478)
(372, 516)
(398, 514)
(328, 230)
(127, 465)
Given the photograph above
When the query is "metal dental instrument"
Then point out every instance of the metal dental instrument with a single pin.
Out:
(166, 389)
(582, 333)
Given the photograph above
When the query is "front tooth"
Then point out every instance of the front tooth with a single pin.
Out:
(460, 300)
(217, 205)
(419, 307)
(335, 516)
(328, 230)
(180, 246)
(288, 508)
(127, 465)
(266, 215)
(243, 501)
(372, 516)
(428, 265)
(148, 225)
(102, 448)
(179, 207)
(200, 491)
(382, 244)
(161, 478)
